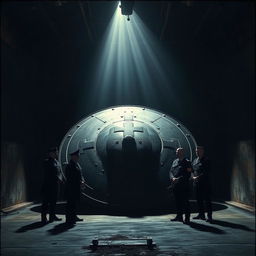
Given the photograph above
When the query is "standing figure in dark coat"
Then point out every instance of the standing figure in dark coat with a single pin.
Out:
(201, 182)
(179, 175)
(74, 181)
(52, 177)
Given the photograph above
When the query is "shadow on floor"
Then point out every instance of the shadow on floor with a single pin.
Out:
(31, 226)
(132, 213)
(54, 231)
(206, 228)
(232, 225)
(60, 228)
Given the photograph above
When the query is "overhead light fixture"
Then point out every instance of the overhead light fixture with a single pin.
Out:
(126, 8)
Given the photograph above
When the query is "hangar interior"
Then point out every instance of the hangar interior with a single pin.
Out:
(62, 61)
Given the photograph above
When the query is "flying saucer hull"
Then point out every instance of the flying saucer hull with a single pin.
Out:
(126, 153)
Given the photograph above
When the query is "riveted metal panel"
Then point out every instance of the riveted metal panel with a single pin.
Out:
(109, 131)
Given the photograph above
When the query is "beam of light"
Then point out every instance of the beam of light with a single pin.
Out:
(131, 67)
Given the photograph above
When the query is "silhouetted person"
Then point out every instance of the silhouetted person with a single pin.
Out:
(52, 177)
(74, 181)
(179, 174)
(201, 182)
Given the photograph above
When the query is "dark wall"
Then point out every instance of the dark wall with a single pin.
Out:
(20, 117)
(219, 107)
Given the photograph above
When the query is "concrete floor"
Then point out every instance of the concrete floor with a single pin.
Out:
(232, 233)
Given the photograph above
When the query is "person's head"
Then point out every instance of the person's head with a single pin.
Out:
(75, 156)
(180, 153)
(200, 151)
(53, 152)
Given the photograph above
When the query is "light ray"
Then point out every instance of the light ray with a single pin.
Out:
(130, 66)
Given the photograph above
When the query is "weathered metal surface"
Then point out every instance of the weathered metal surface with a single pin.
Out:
(243, 174)
(13, 176)
(126, 153)
(122, 241)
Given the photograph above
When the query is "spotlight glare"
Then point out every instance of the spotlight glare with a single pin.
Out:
(128, 70)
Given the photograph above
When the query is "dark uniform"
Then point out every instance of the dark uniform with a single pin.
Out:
(181, 187)
(201, 168)
(52, 177)
(73, 189)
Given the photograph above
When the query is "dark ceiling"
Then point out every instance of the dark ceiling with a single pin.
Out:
(205, 22)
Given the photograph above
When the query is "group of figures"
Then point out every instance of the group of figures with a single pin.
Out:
(181, 172)
(73, 181)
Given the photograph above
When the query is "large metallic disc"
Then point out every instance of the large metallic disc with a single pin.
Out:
(126, 153)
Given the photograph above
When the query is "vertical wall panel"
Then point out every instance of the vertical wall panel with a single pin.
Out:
(243, 174)
(13, 180)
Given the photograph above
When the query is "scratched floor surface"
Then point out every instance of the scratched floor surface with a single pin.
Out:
(232, 233)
